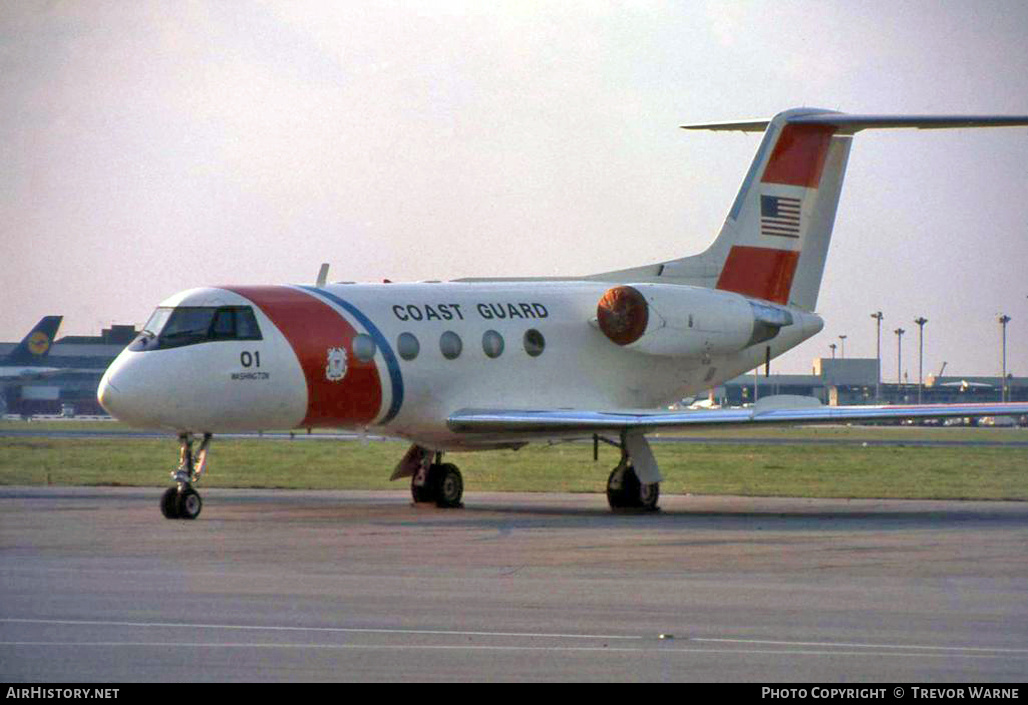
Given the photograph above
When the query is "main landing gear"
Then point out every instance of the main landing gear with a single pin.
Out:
(438, 482)
(182, 501)
(633, 485)
(624, 488)
(431, 480)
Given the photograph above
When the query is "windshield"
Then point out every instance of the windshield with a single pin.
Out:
(157, 321)
(187, 325)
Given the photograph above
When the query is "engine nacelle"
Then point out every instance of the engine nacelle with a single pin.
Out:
(678, 320)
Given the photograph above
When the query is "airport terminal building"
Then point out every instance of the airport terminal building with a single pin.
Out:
(69, 393)
(850, 381)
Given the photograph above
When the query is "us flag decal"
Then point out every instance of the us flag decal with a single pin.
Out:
(780, 216)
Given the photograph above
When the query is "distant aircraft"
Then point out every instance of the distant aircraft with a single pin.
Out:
(479, 364)
(25, 362)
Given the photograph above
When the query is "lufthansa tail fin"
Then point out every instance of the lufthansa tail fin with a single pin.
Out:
(35, 346)
(774, 242)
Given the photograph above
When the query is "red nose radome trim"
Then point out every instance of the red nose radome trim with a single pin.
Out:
(623, 314)
(313, 328)
(759, 272)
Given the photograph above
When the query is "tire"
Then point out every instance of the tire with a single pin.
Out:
(649, 496)
(169, 503)
(632, 494)
(616, 496)
(426, 492)
(188, 504)
(449, 486)
(423, 493)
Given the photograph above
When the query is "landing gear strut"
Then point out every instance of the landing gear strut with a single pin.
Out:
(182, 501)
(626, 491)
(436, 481)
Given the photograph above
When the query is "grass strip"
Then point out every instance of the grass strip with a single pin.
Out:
(953, 472)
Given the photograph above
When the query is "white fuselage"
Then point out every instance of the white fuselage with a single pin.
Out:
(22, 373)
(342, 356)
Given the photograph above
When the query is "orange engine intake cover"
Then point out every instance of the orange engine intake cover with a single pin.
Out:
(623, 314)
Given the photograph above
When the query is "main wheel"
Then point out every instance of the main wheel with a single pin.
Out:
(630, 493)
(188, 504)
(422, 493)
(169, 503)
(449, 485)
(616, 497)
(648, 496)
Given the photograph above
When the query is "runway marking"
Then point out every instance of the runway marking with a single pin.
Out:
(344, 630)
(844, 645)
(828, 647)
(484, 647)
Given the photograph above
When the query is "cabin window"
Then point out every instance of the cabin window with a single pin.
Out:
(534, 342)
(450, 345)
(364, 347)
(408, 346)
(492, 344)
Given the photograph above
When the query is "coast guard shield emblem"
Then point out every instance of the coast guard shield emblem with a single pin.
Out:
(335, 370)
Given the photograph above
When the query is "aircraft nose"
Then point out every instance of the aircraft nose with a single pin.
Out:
(122, 395)
(107, 394)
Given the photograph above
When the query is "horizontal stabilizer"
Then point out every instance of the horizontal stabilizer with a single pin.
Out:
(851, 124)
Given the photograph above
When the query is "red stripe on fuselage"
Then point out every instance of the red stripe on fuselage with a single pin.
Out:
(799, 156)
(759, 272)
(312, 328)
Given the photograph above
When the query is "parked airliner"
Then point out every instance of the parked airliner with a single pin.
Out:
(25, 362)
(484, 364)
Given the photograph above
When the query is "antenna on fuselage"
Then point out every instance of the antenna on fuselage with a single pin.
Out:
(322, 275)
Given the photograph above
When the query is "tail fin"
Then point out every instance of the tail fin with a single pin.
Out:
(774, 242)
(35, 346)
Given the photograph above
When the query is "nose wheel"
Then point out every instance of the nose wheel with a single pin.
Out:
(182, 501)
(184, 504)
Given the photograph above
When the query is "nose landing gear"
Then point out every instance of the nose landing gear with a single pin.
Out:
(182, 501)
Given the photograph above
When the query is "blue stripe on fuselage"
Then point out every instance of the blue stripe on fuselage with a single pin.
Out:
(380, 341)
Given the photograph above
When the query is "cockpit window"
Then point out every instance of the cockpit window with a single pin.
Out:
(235, 323)
(188, 325)
(156, 323)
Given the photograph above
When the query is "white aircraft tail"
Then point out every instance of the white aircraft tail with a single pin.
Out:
(774, 242)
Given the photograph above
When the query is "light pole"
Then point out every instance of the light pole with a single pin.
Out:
(843, 339)
(832, 346)
(878, 355)
(920, 353)
(899, 358)
(1003, 321)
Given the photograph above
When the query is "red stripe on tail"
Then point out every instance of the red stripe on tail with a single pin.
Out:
(799, 155)
(759, 272)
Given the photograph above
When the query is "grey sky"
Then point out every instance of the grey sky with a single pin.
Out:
(153, 147)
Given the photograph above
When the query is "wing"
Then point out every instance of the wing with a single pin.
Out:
(772, 410)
